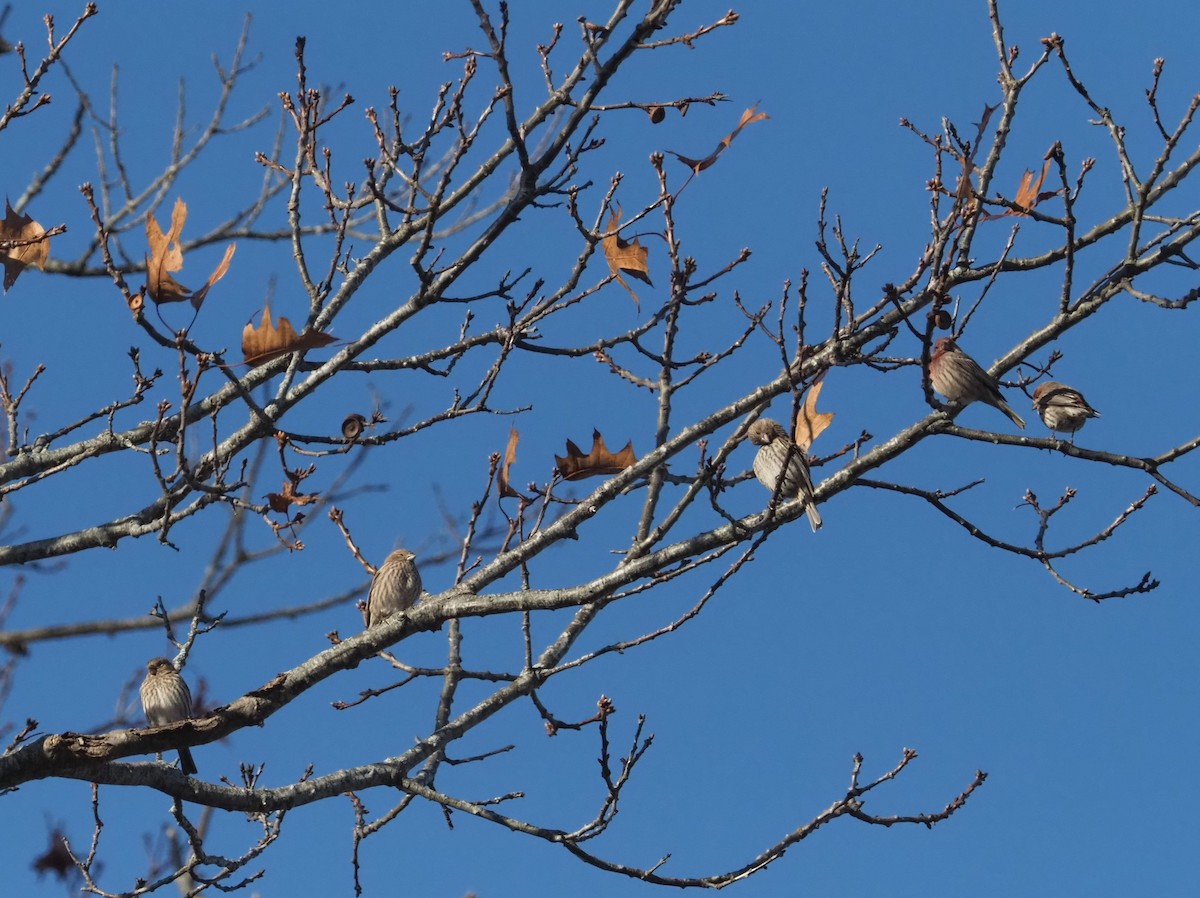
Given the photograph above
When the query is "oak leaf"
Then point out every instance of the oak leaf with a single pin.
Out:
(22, 243)
(166, 255)
(810, 423)
(749, 117)
(1029, 193)
(291, 495)
(597, 463)
(625, 258)
(510, 456)
(270, 341)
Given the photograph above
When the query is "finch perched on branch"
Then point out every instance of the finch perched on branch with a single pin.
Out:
(395, 586)
(1062, 409)
(960, 379)
(780, 459)
(166, 699)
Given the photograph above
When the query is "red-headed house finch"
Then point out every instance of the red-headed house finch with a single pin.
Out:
(166, 699)
(780, 458)
(395, 586)
(960, 379)
(1062, 409)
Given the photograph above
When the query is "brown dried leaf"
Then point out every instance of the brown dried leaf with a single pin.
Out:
(218, 273)
(810, 423)
(166, 256)
(749, 117)
(1029, 193)
(963, 189)
(31, 247)
(280, 502)
(597, 463)
(625, 258)
(510, 456)
(268, 341)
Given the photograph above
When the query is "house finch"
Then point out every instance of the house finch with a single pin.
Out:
(781, 459)
(395, 586)
(165, 699)
(1063, 409)
(959, 378)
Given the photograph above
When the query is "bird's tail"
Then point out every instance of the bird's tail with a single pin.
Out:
(1007, 409)
(814, 516)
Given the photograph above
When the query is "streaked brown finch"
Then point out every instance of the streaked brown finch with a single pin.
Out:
(960, 379)
(166, 699)
(780, 459)
(1062, 409)
(395, 586)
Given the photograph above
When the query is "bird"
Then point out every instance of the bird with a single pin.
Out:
(960, 379)
(165, 699)
(779, 458)
(1062, 409)
(395, 586)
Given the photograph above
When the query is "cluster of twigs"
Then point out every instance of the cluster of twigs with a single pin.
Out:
(422, 189)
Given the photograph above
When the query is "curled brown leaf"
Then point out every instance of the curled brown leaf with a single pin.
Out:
(749, 117)
(23, 244)
(510, 456)
(810, 423)
(166, 256)
(625, 258)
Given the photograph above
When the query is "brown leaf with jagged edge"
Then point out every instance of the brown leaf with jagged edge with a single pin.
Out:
(510, 456)
(749, 117)
(625, 258)
(597, 463)
(166, 255)
(291, 495)
(22, 244)
(810, 423)
(269, 341)
(1029, 193)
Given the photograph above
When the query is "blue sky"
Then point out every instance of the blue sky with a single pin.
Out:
(888, 629)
